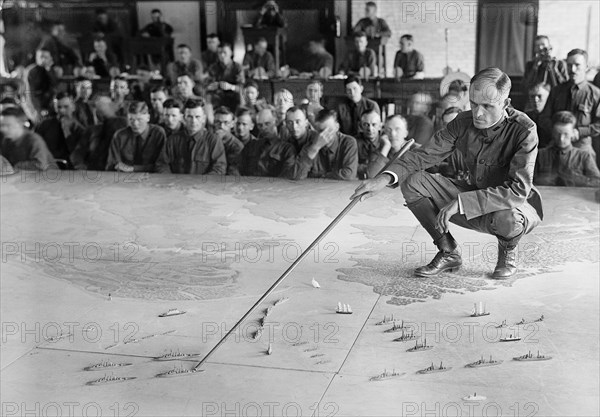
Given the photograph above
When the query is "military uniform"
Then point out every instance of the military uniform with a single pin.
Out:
(497, 198)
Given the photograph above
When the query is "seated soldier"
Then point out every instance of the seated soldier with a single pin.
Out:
(409, 63)
(373, 26)
(270, 16)
(211, 55)
(538, 96)
(23, 148)
(172, 116)
(283, 100)
(195, 150)
(353, 106)
(420, 125)
(223, 127)
(361, 61)
(91, 152)
(84, 112)
(581, 98)
(332, 155)
(269, 155)
(158, 95)
(259, 64)
(184, 89)
(225, 79)
(119, 92)
(250, 96)
(62, 132)
(320, 62)
(299, 132)
(140, 147)
(367, 140)
(244, 125)
(561, 163)
(312, 105)
(103, 60)
(184, 64)
(391, 141)
(41, 83)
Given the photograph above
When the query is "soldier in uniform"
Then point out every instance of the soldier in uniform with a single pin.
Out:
(500, 146)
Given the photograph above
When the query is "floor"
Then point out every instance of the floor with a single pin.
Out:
(89, 261)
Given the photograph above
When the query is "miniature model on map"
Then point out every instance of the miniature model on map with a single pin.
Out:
(171, 356)
(432, 369)
(104, 365)
(172, 312)
(343, 309)
(420, 347)
(529, 357)
(109, 379)
(482, 362)
(479, 310)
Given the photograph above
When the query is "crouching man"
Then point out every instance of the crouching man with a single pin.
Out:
(499, 145)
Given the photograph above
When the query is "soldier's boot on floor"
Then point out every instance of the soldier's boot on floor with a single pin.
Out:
(447, 259)
(506, 266)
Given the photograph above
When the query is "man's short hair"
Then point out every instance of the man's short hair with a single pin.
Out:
(14, 112)
(369, 111)
(408, 37)
(224, 110)
(226, 45)
(212, 36)
(159, 88)
(172, 103)
(564, 118)
(187, 74)
(326, 114)
(245, 111)
(250, 83)
(271, 109)
(399, 117)
(120, 78)
(155, 11)
(352, 79)
(183, 45)
(540, 37)
(371, 4)
(578, 51)
(294, 109)
(545, 86)
(360, 34)
(496, 77)
(192, 103)
(64, 94)
(451, 110)
(458, 86)
(137, 107)
(319, 83)
(43, 49)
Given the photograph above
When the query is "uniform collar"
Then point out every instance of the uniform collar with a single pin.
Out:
(492, 131)
(333, 147)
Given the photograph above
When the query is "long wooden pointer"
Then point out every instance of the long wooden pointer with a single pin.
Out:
(324, 233)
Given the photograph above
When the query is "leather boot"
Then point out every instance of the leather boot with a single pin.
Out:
(506, 266)
(447, 259)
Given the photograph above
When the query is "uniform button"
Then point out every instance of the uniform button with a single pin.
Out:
(481, 161)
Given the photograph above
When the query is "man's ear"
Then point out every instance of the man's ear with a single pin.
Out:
(507, 102)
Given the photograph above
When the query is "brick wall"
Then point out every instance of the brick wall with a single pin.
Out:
(567, 23)
(427, 22)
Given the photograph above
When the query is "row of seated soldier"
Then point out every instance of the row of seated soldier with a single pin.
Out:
(180, 132)
(206, 116)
